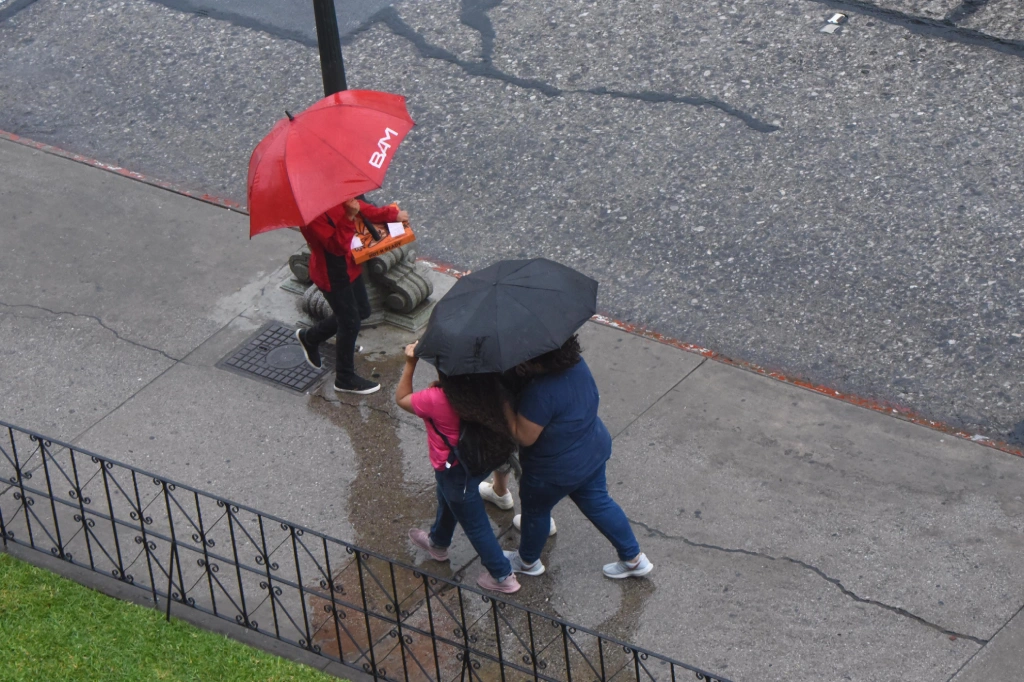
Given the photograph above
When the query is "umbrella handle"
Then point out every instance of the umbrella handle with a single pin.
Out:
(371, 229)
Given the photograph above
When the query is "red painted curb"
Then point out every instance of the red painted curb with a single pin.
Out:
(904, 413)
(64, 154)
(900, 412)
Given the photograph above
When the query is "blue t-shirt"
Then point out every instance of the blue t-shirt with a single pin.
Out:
(574, 442)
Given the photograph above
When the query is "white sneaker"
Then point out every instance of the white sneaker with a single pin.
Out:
(519, 566)
(625, 569)
(500, 501)
(517, 521)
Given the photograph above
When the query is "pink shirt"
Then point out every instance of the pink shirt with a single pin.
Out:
(432, 404)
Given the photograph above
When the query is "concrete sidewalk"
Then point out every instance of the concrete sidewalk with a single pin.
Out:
(795, 537)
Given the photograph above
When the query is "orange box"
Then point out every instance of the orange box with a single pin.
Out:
(371, 248)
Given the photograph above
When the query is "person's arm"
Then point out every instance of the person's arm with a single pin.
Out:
(403, 394)
(524, 431)
(318, 230)
(382, 214)
(341, 231)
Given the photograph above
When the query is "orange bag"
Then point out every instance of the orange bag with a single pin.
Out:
(373, 248)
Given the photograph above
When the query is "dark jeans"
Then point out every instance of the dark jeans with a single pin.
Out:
(351, 306)
(458, 501)
(592, 498)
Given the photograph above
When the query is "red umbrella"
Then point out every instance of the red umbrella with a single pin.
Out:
(335, 150)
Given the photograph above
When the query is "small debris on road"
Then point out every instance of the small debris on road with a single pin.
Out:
(833, 23)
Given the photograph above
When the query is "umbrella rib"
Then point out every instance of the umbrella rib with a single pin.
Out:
(497, 337)
(288, 176)
(561, 292)
(547, 329)
(327, 144)
(338, 151)
(532, 287)
(363, 107)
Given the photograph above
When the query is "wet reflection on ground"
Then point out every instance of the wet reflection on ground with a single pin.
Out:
(392, 491)
(393, 488)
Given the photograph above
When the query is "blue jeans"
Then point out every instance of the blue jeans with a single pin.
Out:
(458, 501)
(592, 498)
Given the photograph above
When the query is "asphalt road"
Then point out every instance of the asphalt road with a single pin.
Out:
(285, 18)
(845, 208)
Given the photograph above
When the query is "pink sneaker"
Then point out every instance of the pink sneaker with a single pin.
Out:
(421, 539)
(506, 586)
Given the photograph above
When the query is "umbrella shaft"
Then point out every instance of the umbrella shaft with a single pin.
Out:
(332, 66)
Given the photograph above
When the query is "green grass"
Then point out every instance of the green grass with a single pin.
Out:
(54, 629)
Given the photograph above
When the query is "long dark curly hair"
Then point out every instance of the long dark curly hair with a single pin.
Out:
(478, 399)
(557, 360)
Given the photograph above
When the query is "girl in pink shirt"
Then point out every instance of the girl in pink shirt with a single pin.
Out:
(477, 398)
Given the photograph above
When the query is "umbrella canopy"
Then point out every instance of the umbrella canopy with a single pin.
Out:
(505, 314)
(337, 149)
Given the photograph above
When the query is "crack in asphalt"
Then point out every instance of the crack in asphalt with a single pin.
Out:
(964, 10)
(935, 28)
(193, 7)
(474, 15)
(13, 8)
(94, 318)
(654, 532)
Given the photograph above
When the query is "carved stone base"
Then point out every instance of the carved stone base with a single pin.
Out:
(398, 287)
(298, 263)
(414, 320)
(407, 283)
(316, 306)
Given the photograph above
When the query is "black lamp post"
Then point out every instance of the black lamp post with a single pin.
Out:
(332, 66)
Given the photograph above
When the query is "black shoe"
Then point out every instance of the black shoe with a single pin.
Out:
(355, 384)
(312, 353)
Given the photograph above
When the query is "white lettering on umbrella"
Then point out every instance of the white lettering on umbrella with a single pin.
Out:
(377, 160)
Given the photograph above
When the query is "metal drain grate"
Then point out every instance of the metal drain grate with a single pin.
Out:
(273, 354)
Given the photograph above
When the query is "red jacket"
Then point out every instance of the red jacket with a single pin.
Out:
(337, 240)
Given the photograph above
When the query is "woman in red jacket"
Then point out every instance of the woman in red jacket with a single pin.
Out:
(336, 273)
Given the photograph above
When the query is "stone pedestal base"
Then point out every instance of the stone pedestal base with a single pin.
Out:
(398, 288)
(407, 284)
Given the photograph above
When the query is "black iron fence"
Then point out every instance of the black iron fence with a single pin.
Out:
(349, 605)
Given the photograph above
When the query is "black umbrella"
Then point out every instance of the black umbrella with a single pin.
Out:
(509, 312)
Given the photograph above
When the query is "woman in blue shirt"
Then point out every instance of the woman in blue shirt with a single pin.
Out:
(564, 449)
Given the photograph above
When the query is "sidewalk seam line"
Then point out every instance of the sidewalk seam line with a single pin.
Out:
(989, 641)
(82, 434)
(150, 382)
(659, 399)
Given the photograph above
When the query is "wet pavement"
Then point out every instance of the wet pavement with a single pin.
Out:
(794, 536)
(841, 208)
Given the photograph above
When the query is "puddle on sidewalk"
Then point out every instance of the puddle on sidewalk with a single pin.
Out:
(419, 627)
(392, 491)
(506, 643)
(551, 594)
(393, 488)
(383, 500)
(625, 622)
